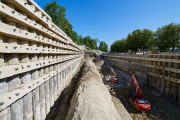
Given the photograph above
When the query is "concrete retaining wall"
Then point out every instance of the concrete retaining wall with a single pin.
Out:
(161, 71)
(37, 60)
(138, 69)
(36, 103)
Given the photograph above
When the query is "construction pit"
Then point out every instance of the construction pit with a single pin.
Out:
(44, 75)
(90, 96)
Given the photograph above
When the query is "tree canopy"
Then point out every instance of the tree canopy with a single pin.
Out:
(119, 46)
(103, 46)
(57, 13)
(89, 42)
(166, 38)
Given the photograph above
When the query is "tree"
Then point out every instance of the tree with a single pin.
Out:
(168, 37)
(89, 42)
(140, 40)
(74, 36)
(114, 47)
(86, 41)
(103, 46)
(94, 44)
(165, 38)
(148, 39)
(130, 43)
(119, 46)
(81, 39)
(57, 13)
(67, 27)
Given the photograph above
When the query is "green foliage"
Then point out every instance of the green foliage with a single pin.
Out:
(89, 42)
(165, 38)
(74, 36)
(168, 37)
(57, 13)
(137, 40)
(148, 39)
(130, 43)
(81, 39)
(119, 46)
(141, 40)
(103, 46)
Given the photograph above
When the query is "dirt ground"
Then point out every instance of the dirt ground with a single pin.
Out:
(92, 100)
(61, 106)
(162, 108)
(104, 71)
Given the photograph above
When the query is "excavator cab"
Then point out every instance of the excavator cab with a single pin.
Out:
(114, 79)
(141, 103)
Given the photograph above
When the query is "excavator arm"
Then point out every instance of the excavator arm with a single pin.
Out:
(138, 91)
(113, 72)
(139, 100)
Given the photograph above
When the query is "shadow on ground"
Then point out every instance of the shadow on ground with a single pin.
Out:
(61, 106)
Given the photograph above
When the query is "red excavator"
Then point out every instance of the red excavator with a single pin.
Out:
(87, 55)
(114, 79)
(138, 100)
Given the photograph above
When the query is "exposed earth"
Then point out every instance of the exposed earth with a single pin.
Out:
(66, 107)
(161, 106)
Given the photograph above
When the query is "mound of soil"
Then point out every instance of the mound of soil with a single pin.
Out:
(92, 100)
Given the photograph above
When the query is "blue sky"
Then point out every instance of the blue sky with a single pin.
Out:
(111, 20)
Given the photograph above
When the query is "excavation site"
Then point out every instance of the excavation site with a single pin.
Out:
(51, 69)
(92, 95)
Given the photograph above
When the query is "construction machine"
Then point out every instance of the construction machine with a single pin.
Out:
(87, 55)
(114, 79)
(138, 99)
